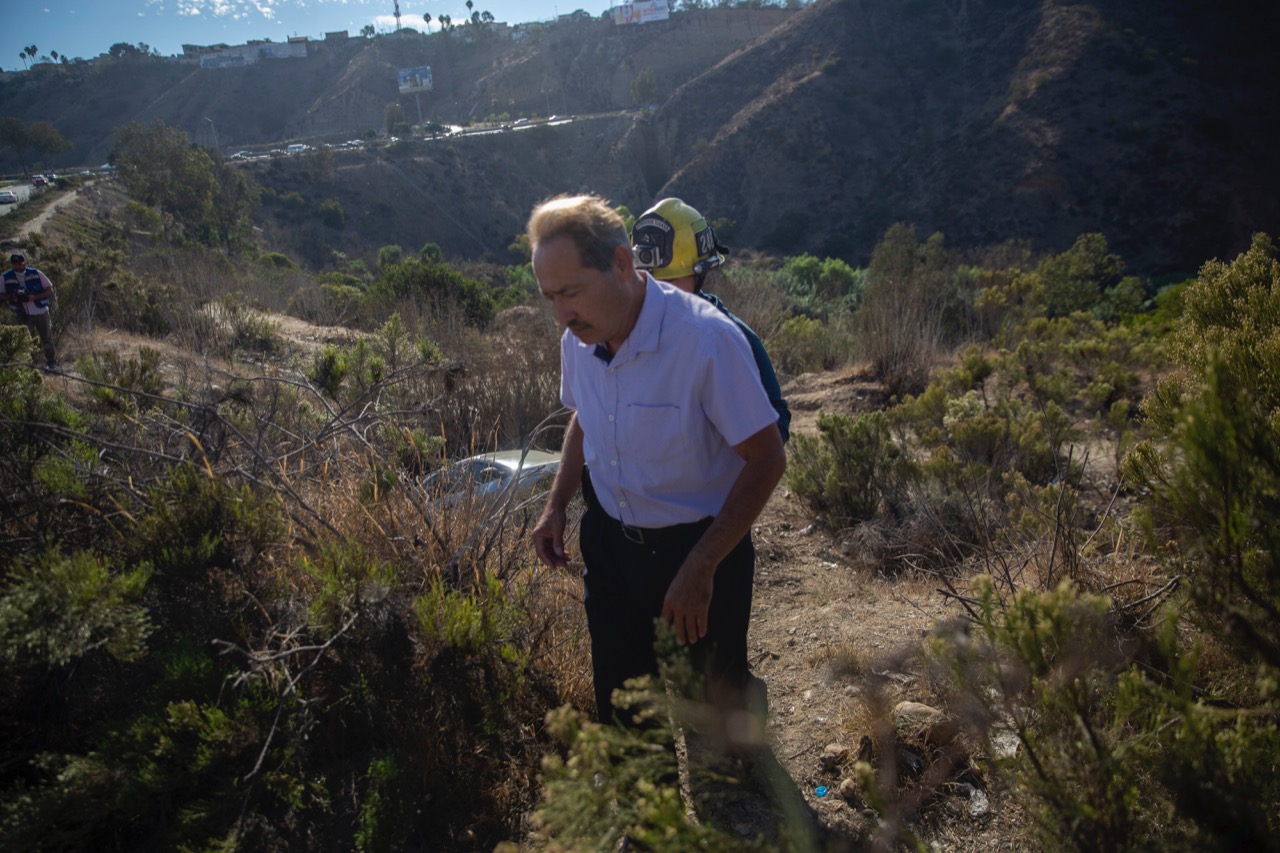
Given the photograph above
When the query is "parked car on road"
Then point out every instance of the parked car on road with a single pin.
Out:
(8, 197)
(39, 181)
(487, 479)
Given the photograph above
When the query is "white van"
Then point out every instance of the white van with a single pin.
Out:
(296, 149)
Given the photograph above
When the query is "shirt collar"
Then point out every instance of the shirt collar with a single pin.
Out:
(648, 329)
(646, 334)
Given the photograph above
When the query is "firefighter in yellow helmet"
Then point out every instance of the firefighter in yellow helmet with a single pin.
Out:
(674, 242)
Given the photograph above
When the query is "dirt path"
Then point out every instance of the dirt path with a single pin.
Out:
(38, 223)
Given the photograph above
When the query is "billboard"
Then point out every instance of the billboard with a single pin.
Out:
(410, 80)
(643, 12)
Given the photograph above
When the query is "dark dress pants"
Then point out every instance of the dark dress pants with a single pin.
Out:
(625, 583)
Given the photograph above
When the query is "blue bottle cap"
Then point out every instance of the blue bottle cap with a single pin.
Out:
(821, 790)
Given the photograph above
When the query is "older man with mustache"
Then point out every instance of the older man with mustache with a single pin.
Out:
(683, 450)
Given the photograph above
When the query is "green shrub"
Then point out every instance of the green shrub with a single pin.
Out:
(438, 286)
(333, 303)
(1162, 751)
(120, 377)
(346, 577)
(197, 523)
(1040, 667)
(277, 261)
(852, 471)
(329, 370)
(249, 330)
(383, 807)
(1077, 279)
(819, 286)
(389, 256)
(802, 345)
(57, 608)
(330, 213)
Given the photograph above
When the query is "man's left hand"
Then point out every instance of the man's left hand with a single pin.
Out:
(688, 602)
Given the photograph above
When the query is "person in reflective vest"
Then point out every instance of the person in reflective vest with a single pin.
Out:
(28, 292)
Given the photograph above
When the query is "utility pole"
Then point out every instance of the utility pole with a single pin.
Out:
(214, 128)
(397, 15)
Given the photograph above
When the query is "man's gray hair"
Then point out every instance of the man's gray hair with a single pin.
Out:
(595, 228)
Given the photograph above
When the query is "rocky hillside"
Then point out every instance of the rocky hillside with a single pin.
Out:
(575, 66)
(986, 120)
(814, 130)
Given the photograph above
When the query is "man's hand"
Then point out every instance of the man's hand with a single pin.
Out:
(548, 534)
(688, 601)
(548, 537)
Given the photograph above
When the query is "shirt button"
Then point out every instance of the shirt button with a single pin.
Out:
(614, 463)
(611, 418)
(622, 503)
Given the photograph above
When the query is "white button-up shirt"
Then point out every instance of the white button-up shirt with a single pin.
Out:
(661, 418)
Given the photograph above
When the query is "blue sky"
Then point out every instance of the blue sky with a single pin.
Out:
(86, 28)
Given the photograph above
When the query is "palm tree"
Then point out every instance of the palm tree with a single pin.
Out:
(427, 18)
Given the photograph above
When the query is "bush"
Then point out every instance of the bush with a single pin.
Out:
(902, 318)
(802, 345)
(1128, 740)
(331, 213)
(852, 472)
(277, 261)
(56, 609)
(119, 377)
(1077, 279)
(438, 285)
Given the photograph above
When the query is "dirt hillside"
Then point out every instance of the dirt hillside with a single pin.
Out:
(804, 130)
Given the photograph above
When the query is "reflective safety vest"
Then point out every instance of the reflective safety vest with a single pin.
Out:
(29, 283)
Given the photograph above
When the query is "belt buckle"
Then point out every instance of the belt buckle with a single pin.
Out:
(632, 534)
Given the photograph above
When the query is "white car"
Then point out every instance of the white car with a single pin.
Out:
(8, 197)
(487, 478)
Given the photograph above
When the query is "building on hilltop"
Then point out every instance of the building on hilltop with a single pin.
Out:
(249, 54)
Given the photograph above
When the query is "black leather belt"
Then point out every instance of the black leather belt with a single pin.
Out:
(658, 537)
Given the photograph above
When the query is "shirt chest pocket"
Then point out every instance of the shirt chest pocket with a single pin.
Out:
(651, 433)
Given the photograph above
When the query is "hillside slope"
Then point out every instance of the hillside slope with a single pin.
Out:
(336, 92)
(987, 121)
(813, 130)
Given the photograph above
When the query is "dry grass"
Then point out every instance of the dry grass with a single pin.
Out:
(753, 296)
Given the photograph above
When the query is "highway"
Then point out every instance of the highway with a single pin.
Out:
(23, 190)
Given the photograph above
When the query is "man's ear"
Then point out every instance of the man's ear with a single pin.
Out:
(623, 261)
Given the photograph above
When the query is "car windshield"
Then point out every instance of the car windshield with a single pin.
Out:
(462, 476)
